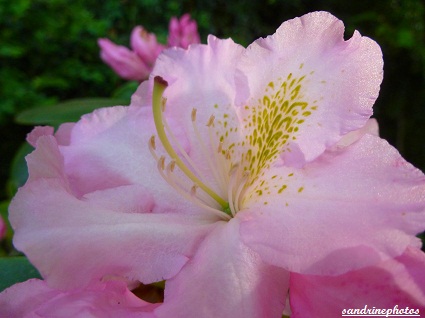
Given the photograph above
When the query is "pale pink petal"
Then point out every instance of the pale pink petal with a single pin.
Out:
(346, 210)
(63, 133)
(124, 62)
(46, 161)
(322, 85)
(73, 241)
(397, 282)
(202, 77)
(106, 232)
(109, 148)
(37, 132)
(145, 45)
(142, 97)
(371, 127)
(225, 279)
(34, 298)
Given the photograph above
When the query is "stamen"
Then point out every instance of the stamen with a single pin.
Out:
(161, 163)
(241, 189)
(233, 181)
(152, 147)
(221, 166)
(205, 152)
(182, 151)
(157, 105)
(220, 147)
(152, 142)
(171, 179)
(211, 121)
(193, 115)
(171, 166)
(222, 162)
(193, 190)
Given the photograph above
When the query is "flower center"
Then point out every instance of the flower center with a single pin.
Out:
(231, 184)
(240, 161)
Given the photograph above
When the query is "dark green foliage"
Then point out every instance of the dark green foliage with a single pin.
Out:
(15, 270)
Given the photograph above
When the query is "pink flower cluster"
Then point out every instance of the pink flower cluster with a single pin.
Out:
(251, 180)
(137, 63)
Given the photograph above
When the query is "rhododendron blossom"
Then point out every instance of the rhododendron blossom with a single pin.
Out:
(236, 175)
(137, 63)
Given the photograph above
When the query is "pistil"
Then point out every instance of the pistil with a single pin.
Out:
(158, 104)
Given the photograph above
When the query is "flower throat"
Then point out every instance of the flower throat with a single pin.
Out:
(238, 160)
(228, 176)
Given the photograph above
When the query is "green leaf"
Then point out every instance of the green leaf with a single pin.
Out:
(15, 270)
(126, 90)
(67, 111)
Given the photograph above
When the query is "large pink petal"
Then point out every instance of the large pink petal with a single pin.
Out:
(225, 279)
(397, 282)
(73, 240)
(34, 298)
(109, 148)
(322, 85)
(202, 77)
(348, 209)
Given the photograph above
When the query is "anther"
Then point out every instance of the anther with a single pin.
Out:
(161, 163)
(210, 121)
(193, 190)
(171, 166)
(220, 147)
(193, 115)
(152, 144)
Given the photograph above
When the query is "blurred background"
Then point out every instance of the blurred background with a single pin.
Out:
(49, 54)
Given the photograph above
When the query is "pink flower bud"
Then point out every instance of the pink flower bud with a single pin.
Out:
(127, 64)
(145, 45)
(183, 32)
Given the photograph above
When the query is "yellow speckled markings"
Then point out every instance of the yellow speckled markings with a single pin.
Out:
(239, 154)
(270, 124)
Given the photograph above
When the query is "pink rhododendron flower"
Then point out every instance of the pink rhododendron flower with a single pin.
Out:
(137, 63)
(256, 171)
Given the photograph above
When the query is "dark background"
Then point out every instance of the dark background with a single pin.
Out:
(49, 53)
